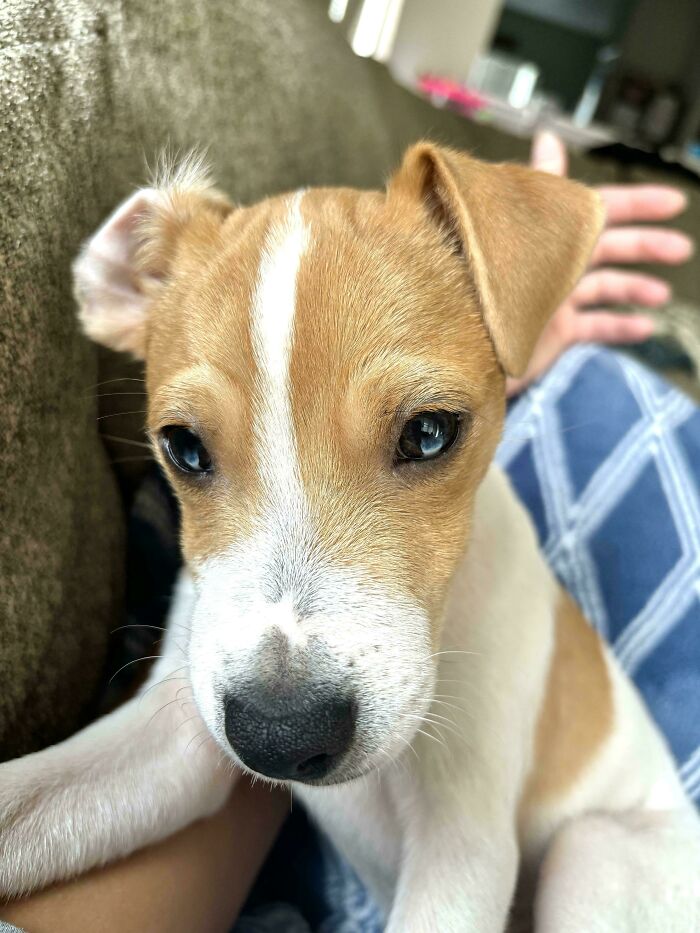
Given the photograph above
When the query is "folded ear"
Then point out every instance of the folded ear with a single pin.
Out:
(526, 237)
(122, 267)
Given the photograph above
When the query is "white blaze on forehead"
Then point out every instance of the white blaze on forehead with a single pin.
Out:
(273, 310)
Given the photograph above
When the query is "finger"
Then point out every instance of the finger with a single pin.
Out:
(642, 244)
(606, 327)
(616, 287)
(634, 203)
(549, 153)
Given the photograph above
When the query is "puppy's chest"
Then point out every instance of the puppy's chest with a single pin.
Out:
(361, 821)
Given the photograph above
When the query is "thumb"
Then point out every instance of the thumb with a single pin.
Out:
(548, 153)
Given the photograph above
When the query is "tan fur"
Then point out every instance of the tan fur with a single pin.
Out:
(577, 712)
(379, 302)
(491, 213)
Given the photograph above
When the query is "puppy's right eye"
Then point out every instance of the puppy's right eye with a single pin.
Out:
(186, 450)
(427, 435)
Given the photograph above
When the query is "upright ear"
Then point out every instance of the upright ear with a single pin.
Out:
(121, 268)
(526, 237)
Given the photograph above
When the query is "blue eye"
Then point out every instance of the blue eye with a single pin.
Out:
(186, 450)
(427, 435)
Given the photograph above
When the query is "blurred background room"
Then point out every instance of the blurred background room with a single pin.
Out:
(617, 80)
(604, 72)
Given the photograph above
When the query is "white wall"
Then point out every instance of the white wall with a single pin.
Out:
(442, 37)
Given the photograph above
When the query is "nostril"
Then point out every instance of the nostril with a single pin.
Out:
(313, 765)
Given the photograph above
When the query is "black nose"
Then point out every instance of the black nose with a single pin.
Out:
(288, 741)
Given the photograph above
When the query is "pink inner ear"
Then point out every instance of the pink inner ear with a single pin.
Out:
(108, 286)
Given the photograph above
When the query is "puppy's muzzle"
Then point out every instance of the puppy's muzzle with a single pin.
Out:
(290, 737)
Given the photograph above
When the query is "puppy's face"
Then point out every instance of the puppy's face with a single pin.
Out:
(326, 389)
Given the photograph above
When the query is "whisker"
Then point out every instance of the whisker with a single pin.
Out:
(112, 394)
(463, 711)
(121, 414)
(106, 382)
(391, 761)
(430, 717)
(449, 726)
(150, 657)
(176, 699)
(439, 654)
(208, 738)
(160, 628)
(438, 727)
(223, 759)
(408, 744)
(438, 699)
(428, 735)
(189, 719)
(195, 736)
(125, 440)
(445, 719)
(395, 763)
(165, 680)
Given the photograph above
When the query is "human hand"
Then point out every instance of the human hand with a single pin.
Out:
(622, 241)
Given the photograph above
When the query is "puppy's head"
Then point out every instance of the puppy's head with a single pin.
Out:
(326, 376)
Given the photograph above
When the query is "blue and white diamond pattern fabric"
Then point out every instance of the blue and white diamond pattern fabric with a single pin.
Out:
(606, 457)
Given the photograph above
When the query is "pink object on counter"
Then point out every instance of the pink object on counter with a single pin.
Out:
(454, 93)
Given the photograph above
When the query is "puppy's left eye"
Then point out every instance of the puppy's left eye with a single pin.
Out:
(427, 435)
(186, 449)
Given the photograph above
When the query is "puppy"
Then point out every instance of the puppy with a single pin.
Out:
(367, 614)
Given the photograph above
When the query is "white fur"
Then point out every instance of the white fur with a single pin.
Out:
(636, 870)
(351, 615)
(272, 321)
(131, 778)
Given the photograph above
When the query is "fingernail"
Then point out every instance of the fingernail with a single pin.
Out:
(644, 327)
(677, 200)
(548, 153)
(661, 293)
(684, 247)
